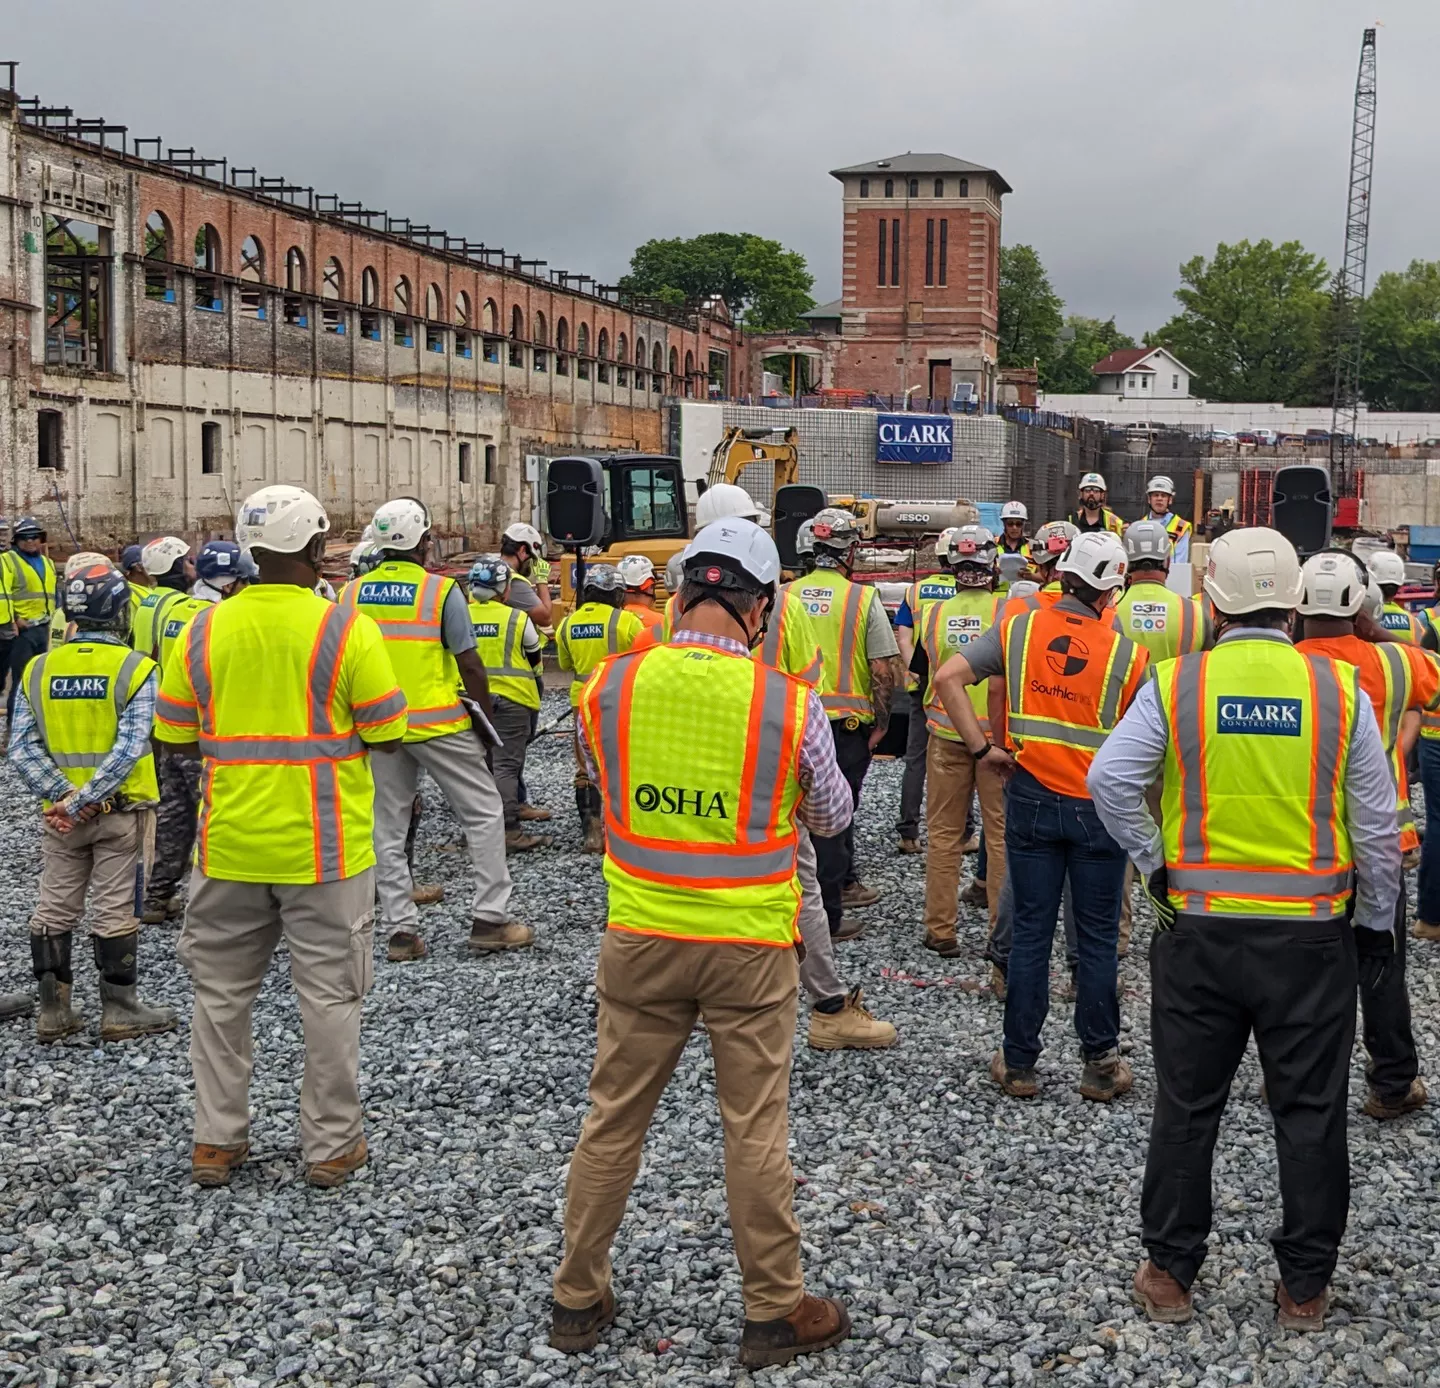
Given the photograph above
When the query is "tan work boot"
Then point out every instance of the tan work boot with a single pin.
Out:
(1415, 1097)
(404, 946)
(123, 1016)
(573, 1332)
(1301, 1315)
(518, 841)
(1105, 1077)
(997, 981)
(910, 846)
(1423, 930)
(211, 1165)
(971, 845)
(533, 812)
(1160, 1296)
(851, 928)
(594, 835)
(428, 894)
(946, 946)
(851, 1028)
(1410, 859)
(817, 1323)
(859, 894)
(336, 1171)
(1018, 1081)
(488, 936)
(975, 893)
(173, 909)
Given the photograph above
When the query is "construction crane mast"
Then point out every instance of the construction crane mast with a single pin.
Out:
(1350, 283)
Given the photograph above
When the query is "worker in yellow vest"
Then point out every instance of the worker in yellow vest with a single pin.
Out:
(598, 628)
(285, 847)
(61, 627)
(509, 648)
(1388, 570)
(1160, 494)
(132, 566)
(701, 838)
(82, 743)
(1278, 862)
(27, 579)
(1093, 513)
(860, 670)
(425, 621)
(167, 561)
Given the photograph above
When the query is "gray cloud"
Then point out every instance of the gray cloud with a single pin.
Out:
(1135, 136)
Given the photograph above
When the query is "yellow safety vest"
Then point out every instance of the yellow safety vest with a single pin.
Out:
(931, 588)
(839, 613)
(407, 603)
(667, 619)
(147, 617)
(30, 595)
(1253, 798)
(700, 834)
(949, 627)
(77, 694)
(499, 632)
(176, 618)
(59, 627)
(591, 632)
(1401, 623)
(1165, 623)
(1176, 527)
(790, 644)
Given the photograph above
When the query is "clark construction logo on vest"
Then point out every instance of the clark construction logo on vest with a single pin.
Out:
(586, 631)
(672, 800)
(483, 629)
(1272, 717)
(388, 593)
(79, 686)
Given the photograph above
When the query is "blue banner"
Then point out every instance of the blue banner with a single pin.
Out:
(914, 438)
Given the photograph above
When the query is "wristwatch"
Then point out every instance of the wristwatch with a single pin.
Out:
(983, 752)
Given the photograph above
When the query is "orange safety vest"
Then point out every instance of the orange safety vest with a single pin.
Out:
(1068, 680)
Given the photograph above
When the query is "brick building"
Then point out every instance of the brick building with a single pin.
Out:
(919, 302)
(175, 333)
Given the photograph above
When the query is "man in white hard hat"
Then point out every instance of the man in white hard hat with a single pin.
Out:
(700, 861)
(1388, 570)
(638, 575)
(168, 563)
(286, 843)
(523, 551)
(722, 500)
(1160, 493)
(425, 621)
(1277, 797)
(1013, 519)
(1093, 514)
(1069, 675)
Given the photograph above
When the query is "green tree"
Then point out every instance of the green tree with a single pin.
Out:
(1081, 343)
(1251, 321)
(759, 280)
(1030, 309)
(1402, 339)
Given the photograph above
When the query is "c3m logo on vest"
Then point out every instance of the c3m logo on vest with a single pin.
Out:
(386, 594)
(1148, 616)
(79, 686)
(672, 800)
(586, 631)
(961, 630)
(817, 601)
(1270, 717)
(486, 629)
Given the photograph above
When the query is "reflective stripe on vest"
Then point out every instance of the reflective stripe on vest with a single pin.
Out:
(31, 595)
(1399, 681)
(145, 622)
(578, 676)
(1285, 855)
(789, 645)
(969, 606)
(507, 672)
(1401, 623)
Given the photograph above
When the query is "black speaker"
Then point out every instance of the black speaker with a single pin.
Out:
(794, 505)
(1301, 507)
(575, 501)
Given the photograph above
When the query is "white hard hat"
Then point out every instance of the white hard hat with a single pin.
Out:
(1097, 558)
(401, 524)
(805, 537)
(1148, 539)
(942, 541)
(1386, 567)
(1093, 479)
(1014, 510)
(834, 529)
(724, 499)
(523, 534)
(738, 544)
(1051, 541)
(159, 556)
(1160, 484)
(281, 518)
(1334, 585)
(1024, 588)
(636, 570)
(972, 544)
(675, 570)
(1373, 604)
(1251, 569)
(86, 559)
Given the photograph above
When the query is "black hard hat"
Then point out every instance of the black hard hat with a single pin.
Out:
(28, 528)
(98, 596)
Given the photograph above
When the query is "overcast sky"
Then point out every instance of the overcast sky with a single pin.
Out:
(1134, 134)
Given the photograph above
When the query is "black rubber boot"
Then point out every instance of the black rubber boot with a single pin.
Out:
(122, 1014)
(50, 957)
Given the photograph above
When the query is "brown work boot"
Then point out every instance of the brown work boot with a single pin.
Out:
(850, 929)
(946, 946)
(851, 1028)
(336, 1171)
(971, 845)
(50, 960)
(211, 1165)
(487, 936)
(910, 846)
(15, 1005)
(533, 812)
(594, 835)
(123, 1016)
(997, 981)
(573, 1332)
(1069, 990)
(1160, 1296)
(975, 894)
(1018, 1081)
(428, 894)
(158, 912)
(1423, 930)
(859, 894)
(1383, 1109)
(817, 1323)
(1105, 1077)
(1301, 1315)
(518, 841)
(1410, 859)
(404, 946)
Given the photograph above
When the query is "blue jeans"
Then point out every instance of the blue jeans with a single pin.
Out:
(1048, 836)
(1427, 906)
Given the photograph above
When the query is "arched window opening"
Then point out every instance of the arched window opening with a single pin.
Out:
(433, 302)
(490, 341)
(562, 347)
(864, 187)
(539, 359)
(602, 350)
(404, 330)
(462, 309)
(674, 363)
(489, 317)
(689, 373)
(939, 187)
(402, 295)
(657, 369)
(332, 290)
(370, 298)
(622, 361)
(159, 245)
(207, 260)
(295, 312)
(889, 187)
(639, 363)
(964, 187)
(914, 187)
(517, 336)
(582, 351)
(252, 273)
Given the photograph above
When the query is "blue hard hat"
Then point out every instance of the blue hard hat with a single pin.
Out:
(130, 558)
(98, 596)
(28, 528)
(218, 559)
(491, 574)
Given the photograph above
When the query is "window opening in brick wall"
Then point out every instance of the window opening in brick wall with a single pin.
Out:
(404, 332)
(159, 247)
(295, 270)
(434, 338)
(369, 288)
(332, 289)
(964, 187)
(884, 224)
(539, 360)
(370, 326)
(464, 462)
(622, 359)
(77, 294)
(517, 334)
(914, 187)
(462, 310)
(434, 304)
(296, 313)
(929, 250)
(944, 249)
(674, 371)
(939, 187)
(895, 250)
(582, 351)
(209, 447)
(889, 187)
(562, 347)
(402, 296)
(657, 370)
(864, 187)
(689, 373)
(489, 464)
(462, 344)
(602, 351)
(207, 260)
(252, 278)
(719, 385)
(49, 439)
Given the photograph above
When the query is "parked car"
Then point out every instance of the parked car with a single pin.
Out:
(1248, 436)
(1220, 436)
(1266, 436)
(1369, 441)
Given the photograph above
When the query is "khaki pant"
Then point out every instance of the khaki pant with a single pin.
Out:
(105, 859)
(952, 774)
(230, 933)
(1152, 799)
(818, 974)
(650, 991)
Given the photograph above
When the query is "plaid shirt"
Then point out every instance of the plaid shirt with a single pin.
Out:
(828, 806)
(30, 758)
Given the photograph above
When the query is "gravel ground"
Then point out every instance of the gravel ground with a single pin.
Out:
(976, 1240)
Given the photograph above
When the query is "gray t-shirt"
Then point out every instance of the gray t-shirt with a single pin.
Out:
(456, 633)
(880, 639)
(522, 594)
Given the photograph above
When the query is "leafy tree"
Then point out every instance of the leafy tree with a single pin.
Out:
(758, 279)
(1251, 321)
(1030, 309)
(1081, 343)
(1401, 369)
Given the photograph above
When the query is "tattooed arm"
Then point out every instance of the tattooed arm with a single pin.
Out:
(885, 676)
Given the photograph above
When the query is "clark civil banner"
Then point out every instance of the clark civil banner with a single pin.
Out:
(914, 438)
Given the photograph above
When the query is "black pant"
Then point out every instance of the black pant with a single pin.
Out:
(1213, 983)
(835, 857)
(1385, 1020)
(912, 786)
(30, 642)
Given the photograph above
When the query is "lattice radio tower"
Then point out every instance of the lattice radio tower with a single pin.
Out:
(1350, 285)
